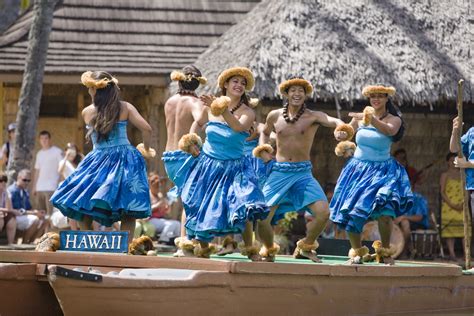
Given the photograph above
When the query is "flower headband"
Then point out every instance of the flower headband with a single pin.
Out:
(180, 76)
(90, 82)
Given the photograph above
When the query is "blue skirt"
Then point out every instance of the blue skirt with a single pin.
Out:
(220, 196)
(109, 183)
(177, 164)
(367, 190)
(292, 187)
(260, 168)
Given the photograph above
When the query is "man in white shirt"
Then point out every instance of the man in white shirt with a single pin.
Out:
(46, 172)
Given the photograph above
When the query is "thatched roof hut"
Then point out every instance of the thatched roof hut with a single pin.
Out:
(421, 47)
(124, 37)
(139, 41)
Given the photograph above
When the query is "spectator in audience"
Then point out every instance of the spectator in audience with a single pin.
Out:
(6, 153)
(71, 160)
(32, 222)
(416, 218)
(7, 214)
(67, 165)
(46, 172)
(168, 228)
(452, 205)
(401, 156)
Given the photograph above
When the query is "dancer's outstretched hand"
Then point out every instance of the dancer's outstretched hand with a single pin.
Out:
(340, 136)
(207, 99)
(357, 116)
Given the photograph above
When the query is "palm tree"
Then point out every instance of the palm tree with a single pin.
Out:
(32, 86)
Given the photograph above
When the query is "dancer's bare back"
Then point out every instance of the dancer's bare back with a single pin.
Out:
(180, 112)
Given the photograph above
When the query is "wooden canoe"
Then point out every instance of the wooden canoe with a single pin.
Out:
(232, 285)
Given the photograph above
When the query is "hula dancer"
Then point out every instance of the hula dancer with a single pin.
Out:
(467, 147)
(221, 193)
(373, 185)
(110, 184)
(260, 168)
(290, 185)
(181, 111)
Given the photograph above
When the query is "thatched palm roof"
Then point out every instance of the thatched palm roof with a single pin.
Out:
(421, 47)
(124, 37)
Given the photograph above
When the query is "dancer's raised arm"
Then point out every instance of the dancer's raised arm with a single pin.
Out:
(139, 122)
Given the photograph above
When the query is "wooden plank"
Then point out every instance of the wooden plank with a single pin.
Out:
(366, 270)
(74, 78)
(26, 271)
(127, 261)
(113, 260)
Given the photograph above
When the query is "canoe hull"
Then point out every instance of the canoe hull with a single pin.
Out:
(220, 293)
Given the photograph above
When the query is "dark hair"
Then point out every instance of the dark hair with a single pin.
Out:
(3, 177)
(450, 155)
(108, 106)
(192, 84)
(45, 133)
(395, 111)
(244, 99)
(78, 157)
(22, 172)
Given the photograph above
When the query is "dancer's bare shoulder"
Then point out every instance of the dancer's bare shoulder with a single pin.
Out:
(274, 115)
(88, 113)
(318, 116)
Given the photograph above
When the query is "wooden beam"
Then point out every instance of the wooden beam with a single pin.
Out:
(80, 123)
(112, 260)
(134, 80)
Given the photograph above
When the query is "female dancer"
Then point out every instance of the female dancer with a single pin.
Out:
(110, 184)
(260, 168)
(372, 185)
(221, 193)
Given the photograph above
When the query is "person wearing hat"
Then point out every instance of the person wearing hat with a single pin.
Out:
(290, 185)
(221, 193)
(372, 185)
(7, 149)
(181, 111)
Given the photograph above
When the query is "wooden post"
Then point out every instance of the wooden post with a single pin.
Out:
(2, 114)
(466, 213)
(80, 123)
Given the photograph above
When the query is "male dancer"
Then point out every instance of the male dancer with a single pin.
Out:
(181, 110)
(290, 185)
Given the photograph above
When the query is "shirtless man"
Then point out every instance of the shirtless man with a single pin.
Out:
(181, 110)
(290, 185)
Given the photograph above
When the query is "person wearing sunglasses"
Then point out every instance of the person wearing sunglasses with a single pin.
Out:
(31, 222)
